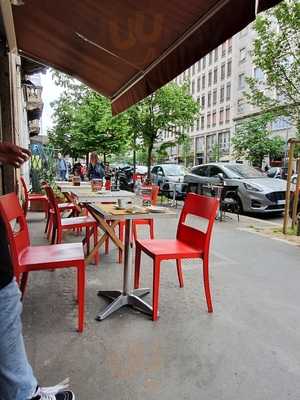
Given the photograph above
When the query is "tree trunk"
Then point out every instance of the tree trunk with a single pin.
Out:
(87, 159)
(134, 153)
(149, 159)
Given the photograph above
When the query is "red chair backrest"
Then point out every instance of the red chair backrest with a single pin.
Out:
(13, 217)
(53, 205)
(202, 207)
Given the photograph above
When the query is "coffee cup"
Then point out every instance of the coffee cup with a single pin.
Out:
(121, 203)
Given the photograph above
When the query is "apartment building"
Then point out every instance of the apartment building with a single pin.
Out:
(218, 82)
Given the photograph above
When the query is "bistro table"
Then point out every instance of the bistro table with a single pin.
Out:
(127, 296)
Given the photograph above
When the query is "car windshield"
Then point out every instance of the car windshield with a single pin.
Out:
(174, 170)
(243, 171)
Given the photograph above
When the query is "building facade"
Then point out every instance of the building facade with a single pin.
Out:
(217, 83)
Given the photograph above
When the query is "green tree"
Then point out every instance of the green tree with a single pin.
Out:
(185, 143)
(83, 122)
(276, 53)
(253, 140)
(169, 107)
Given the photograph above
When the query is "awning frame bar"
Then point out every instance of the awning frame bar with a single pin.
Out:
(139, 76)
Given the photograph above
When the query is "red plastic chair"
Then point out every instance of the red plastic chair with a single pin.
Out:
(189, 243)
(31, 198)
(27, 258)
(60, 224)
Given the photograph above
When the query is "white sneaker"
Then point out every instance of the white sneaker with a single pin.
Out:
(57, 392)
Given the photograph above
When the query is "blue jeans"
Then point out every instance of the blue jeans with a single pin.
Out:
(63, 174)
(17, 381)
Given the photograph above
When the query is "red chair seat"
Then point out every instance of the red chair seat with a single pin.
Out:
(77, 222)
(46, 257)
(169, 248)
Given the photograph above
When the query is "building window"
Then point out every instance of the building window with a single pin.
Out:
(215, 75)
(202, 122)
(198, 124)
(209, 78)
(210, 56)
(240, 106)
(188, 72)
(258, 74)
(221, 116)
(223, 49)
(227, 116)
(203, 101)
(229, 41)
(208, 120)
(214, 118)
(203, 62)
(228, 91)
(242, 54)
(198, 100)
(193, 69)
(222, 94)
(200, 144)
(224, 141)
(280, 123)
(198, 84)
(215, 97)
(241, 81)
(229, 67)
(222, 71)
(199, 66)
(209, 99)
(216, 51)
(203, 82)
(193, 87)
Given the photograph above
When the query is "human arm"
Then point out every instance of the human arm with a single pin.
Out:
(12, 154)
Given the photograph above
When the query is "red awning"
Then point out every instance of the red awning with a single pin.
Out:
(126, 49)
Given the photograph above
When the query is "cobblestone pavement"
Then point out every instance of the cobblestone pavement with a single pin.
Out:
(249, 348)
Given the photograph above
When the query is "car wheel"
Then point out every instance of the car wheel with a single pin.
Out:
(294, 181)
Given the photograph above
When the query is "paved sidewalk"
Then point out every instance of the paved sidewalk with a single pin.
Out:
(249, 348)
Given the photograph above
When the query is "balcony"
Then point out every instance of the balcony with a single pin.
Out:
(34, 127)
(33, 95)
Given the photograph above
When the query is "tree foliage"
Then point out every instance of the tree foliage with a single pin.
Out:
(83, 121)
(168, 108)
(253, 140)
(276, 53)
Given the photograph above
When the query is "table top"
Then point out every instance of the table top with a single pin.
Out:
(110, 211)
(87, 196)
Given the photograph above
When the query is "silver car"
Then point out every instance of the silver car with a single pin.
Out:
(168, 177)
(256, 192)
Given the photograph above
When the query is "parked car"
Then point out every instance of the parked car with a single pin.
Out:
(277, 172)
(256, 192)
(165, 175)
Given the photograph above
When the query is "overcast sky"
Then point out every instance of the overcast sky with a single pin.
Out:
(50, 93)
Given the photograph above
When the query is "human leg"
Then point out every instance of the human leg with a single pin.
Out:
(17, 381)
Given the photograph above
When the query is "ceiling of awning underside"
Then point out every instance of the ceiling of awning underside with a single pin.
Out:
(126, 49)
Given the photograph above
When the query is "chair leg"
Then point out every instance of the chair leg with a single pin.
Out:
(87, 238)
(23, 284)
(206, 285)
(156, 283)
(134, 231)
(47, 223)
(97, 258)
(179, 272)
(151, 225)
(121, 237)
(80, 295)
(59, 236)
(137, 267)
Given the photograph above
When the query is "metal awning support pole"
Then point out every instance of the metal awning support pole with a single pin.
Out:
(292, 143)
(8, 20)
(296, 199)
